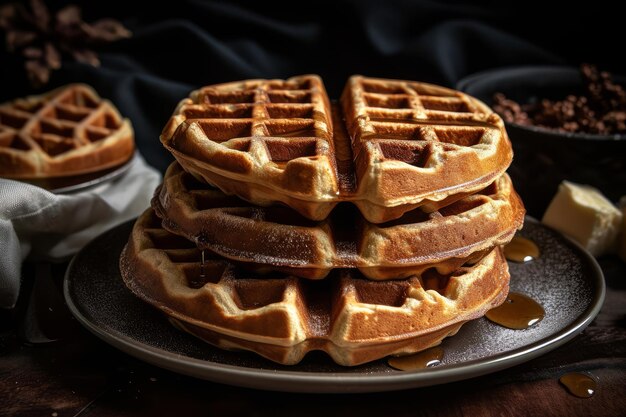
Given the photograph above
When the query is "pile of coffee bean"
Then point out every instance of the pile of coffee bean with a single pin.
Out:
(600, 110)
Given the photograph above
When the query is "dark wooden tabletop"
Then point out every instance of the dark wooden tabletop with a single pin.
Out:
(51, 366)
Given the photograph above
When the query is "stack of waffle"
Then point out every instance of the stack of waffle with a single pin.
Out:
(366, 228)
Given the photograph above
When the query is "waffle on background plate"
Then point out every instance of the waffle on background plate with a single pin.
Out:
(364, 229)
(69, 131)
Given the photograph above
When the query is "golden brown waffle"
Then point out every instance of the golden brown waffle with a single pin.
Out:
(409, 145)
(354, 320)
(416, 142)
(68, 131)
(278, 238)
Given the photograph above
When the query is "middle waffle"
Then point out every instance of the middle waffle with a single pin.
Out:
(278, 238)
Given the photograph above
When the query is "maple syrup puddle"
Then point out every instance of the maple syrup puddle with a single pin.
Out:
(521, 250)
(517, 312)
(578, 384)
(421, 360)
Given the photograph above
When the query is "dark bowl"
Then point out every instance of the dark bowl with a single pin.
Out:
(543, 157)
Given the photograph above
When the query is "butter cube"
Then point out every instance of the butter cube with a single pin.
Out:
(584, 214)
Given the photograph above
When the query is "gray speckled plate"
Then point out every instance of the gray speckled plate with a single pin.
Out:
(565, 280)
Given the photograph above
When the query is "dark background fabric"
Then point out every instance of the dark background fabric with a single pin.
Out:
(182, 45)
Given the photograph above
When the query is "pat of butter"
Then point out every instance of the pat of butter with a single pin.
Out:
(584, 214)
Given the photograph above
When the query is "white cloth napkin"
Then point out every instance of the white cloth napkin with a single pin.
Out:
(38, 224)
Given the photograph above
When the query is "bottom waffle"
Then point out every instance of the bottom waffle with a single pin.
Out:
(353, 319)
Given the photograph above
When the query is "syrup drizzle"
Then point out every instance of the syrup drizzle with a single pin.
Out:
(421, 360)
(202, 272)
(517, 312)
(521, 250)
(578, 384)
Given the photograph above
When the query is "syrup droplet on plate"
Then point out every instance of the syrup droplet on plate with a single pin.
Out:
(517, 312)
(421, 360)
(522, 250)
(579, 384)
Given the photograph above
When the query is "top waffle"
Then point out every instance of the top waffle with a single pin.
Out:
(403, 144)
(68, 131)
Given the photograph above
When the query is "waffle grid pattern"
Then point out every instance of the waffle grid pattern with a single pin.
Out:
(447, 141)
(390, 109)
(40, 134)
(261, 110)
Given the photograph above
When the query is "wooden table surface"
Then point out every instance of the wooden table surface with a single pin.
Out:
(79, 375)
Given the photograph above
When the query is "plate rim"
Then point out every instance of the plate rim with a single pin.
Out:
(100, 176)
(331, 382)
(118, 171)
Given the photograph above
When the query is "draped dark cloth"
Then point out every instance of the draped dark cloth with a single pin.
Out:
(182, 45)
